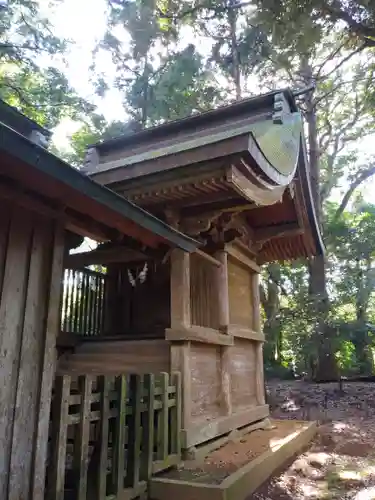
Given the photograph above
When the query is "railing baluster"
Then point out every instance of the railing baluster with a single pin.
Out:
(135, 432)
(96, 306)
(118, 442)
(175, 421)
(82, 451)
(66, 298)
(148, 427)
(103, 308)
(104, 388)
(90, 479)
(83, 302)
(71, 301)
(162, 419)
(60, 416)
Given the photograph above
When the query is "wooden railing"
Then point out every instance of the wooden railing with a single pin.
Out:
(109, 435)
(83, 302)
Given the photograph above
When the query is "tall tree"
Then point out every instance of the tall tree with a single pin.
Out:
(160, 79)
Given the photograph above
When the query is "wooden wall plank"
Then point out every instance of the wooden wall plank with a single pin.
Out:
(47, 372)
(11, 324)
(242, 367)
(30, 362)
(115, 357)
(240, 294)
(5, 218)
(205, 368)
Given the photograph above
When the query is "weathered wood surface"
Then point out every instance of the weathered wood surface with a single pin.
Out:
(203, 293)
(180, 289)
(107, 424)
(242, 369)
(205, 367)
(31, 254)
(117, 356)
(240, 294)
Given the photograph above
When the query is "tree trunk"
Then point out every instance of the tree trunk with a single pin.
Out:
(326, 367)
(236, 71)
(361, 339)
(270, 301)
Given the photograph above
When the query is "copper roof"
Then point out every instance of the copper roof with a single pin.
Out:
(250, 152)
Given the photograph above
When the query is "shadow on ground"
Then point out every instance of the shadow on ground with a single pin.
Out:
(340, 463)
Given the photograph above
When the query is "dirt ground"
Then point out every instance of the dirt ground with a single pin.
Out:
(223, 462)
(340, 464)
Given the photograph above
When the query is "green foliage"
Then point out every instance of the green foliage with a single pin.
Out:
(43, 94)
(159, 81)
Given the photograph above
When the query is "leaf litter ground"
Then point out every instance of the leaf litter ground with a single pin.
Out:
(340, 464)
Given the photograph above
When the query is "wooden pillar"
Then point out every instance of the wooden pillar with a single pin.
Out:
(181, 318)
(222, 290)
(259, 347)
(180, 289)
(223, 320)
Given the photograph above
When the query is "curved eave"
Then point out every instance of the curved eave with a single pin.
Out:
(307, 244)
(251, 105)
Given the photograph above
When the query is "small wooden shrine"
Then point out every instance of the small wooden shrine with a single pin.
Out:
(237, 180)
(46, 206)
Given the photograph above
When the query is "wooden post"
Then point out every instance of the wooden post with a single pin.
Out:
(181, 317)
(222, 290)
(259, 374)
(180, 362)
(180, 289)
(223, 320)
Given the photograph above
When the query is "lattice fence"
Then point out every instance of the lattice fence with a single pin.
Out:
(108, 435)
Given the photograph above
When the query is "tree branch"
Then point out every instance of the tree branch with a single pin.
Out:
(335, 11)
(363, 176)
(343, 61)
(199, 7)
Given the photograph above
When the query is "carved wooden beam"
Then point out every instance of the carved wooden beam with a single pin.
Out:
(105, 256)
(278, 231)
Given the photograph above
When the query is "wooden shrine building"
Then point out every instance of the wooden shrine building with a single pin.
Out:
(46, 206)
(237, 180)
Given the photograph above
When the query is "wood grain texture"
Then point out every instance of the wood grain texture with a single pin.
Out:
(240, 294)
(30, 279)
(205, 368)
(203, 293)
(242, 369)
(116, 357)
(29, 364)
(180, 289)
(12, 310)
(52, 327)
(222, 291)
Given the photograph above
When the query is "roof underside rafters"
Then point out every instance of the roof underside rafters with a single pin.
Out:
(247, 160)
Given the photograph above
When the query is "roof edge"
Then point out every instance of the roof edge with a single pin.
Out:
(47, 163)
(228, 110)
